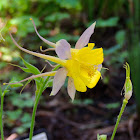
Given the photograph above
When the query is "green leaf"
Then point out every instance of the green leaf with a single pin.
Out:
(57, 17)
(34, 70)
(111, 22)
(50, 83)
(65, 36)
(20, 130)
(24, 100)
(26, 118)
(113, 105)
(120, 37)
(29, 103)
(23, 128)
(24, 69)
(82, 102)
(5, 91)
(44, 32)
(112, 50)
(24, 24)
(31, 68)
(13, 115)
(70, 4)
(3, 65)
(88, 101)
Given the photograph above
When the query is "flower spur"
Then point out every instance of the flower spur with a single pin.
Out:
(81, 64)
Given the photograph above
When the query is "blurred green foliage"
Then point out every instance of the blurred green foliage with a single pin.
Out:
(83, 102)
(21, 102)
(113, 105)
(111, 22)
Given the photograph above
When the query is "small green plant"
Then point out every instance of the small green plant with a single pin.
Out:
(41, 85)
(127, 95)
(2, 94)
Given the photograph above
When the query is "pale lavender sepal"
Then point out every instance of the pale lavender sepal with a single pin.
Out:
(99, 67)
(42, 38)
(59, 80)
(84, 38)
(63, 49)
(71, 88)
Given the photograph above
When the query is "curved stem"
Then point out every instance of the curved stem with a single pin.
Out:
(1, 113)
(119, 117)
(38, 95)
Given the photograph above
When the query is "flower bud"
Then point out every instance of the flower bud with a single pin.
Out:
(128, 84)
(101, 137)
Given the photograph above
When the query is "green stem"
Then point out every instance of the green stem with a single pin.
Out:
(33, 118)
(119, 117)
(1, 113)
(38, 95)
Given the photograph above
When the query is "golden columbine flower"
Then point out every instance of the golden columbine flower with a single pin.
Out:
(82, 64)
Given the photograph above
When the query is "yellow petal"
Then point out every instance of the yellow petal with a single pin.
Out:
(94, 79)
(73, 68)
(79, 84)
(91, 81)
(90, 75)
(90, 57)
(91, 45)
